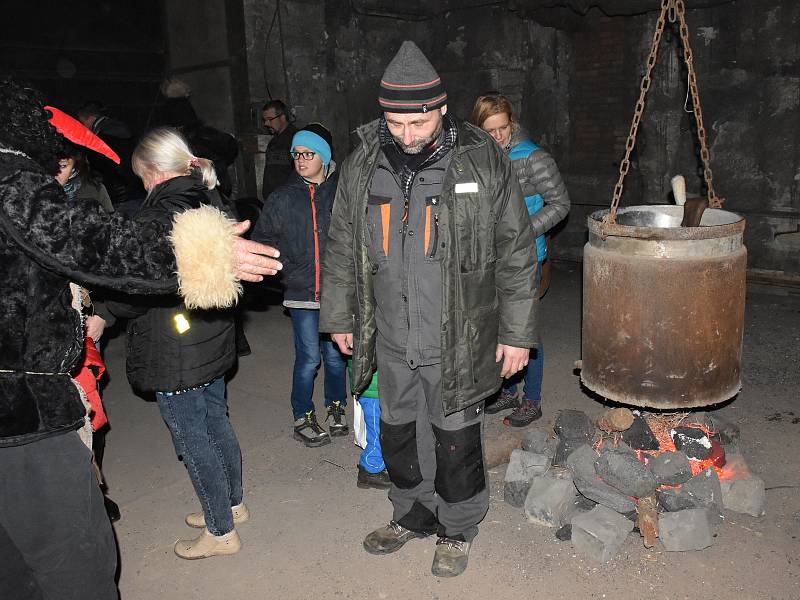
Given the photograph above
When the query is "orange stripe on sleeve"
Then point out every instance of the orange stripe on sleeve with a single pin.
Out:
(386, 216)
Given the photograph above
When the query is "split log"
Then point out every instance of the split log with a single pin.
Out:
(647, 520)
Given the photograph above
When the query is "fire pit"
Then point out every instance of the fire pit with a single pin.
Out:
(667, 476)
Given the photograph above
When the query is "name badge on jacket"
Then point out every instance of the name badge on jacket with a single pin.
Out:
(467, 188)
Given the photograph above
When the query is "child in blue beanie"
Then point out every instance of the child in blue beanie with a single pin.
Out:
(295, 219)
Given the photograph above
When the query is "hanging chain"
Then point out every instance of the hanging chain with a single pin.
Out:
(714, 201)
(669, 10)
(638, 111)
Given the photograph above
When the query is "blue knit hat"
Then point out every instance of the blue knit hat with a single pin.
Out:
(314, 141)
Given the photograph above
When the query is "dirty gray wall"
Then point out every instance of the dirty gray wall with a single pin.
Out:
(326, 60)
(197, 52)
(206, 49)
(747, 59)
(575, 89)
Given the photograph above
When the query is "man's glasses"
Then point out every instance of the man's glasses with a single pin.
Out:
(305, 155)
(271, 119)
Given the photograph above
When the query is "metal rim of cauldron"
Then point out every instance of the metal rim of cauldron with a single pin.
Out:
(704, 232)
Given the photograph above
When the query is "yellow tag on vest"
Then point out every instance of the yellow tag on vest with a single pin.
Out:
(181, 323)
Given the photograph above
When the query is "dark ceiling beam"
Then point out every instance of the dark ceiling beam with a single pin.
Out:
(612, 8)
(562, 14)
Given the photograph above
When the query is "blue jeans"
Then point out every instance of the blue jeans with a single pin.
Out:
(309, 344)
(371, 458)
(204, 437)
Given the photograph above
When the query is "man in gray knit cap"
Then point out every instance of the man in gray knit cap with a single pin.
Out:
(429, 277)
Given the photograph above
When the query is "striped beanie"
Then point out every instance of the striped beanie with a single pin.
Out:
(410, 84)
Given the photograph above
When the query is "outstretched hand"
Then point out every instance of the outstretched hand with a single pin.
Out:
(253, 260)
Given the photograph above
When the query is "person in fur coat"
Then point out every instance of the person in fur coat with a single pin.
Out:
(51, 507)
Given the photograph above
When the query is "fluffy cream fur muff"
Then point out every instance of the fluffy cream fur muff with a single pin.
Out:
(203, 239)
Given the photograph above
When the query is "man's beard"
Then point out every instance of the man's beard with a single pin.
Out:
(418, 145)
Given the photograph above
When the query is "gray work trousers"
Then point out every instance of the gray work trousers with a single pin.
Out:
(435, 462)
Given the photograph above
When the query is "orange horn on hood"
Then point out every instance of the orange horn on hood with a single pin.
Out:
(77, 133)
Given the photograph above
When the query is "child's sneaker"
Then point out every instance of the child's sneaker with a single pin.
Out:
(378, 481)
(336, 413)
(308, 431)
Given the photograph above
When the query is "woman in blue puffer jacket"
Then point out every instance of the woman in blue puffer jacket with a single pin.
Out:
(548, 203)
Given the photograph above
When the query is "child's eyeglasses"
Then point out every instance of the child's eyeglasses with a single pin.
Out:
(305, 155)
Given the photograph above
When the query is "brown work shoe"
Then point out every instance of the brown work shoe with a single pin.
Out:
(206, 545)
(390, 538)
(451, 557)
(240, 515)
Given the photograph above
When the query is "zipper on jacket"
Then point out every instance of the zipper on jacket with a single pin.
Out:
(311, 191)
(404, 231)
(435, 235)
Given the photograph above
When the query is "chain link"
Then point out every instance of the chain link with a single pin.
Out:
(670, 9)
(714, 201)
(611, 217)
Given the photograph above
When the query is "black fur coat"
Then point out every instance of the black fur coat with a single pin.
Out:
(46, 241)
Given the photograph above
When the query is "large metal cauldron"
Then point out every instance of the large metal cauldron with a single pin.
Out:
(663, 307)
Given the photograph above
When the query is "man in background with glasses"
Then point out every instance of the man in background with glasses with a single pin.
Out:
(278, 163)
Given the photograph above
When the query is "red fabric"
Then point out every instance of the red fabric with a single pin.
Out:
(77, 133)
(87, 378)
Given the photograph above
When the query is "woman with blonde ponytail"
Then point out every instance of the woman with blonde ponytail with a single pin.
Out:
(183, 354)
(163, 154)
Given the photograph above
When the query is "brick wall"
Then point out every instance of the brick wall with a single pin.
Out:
(599, 106)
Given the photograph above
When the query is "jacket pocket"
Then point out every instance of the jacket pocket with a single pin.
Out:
(485, 370)
(379, 223)
(432, 209)
(137, 355)
(465, 343)
(475, 228)
(478, 291)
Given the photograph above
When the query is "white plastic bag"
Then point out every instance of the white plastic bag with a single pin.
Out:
(359, 425)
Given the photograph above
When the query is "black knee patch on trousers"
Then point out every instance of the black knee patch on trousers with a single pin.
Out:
(420, 519)
(459, 463)
(399, 444)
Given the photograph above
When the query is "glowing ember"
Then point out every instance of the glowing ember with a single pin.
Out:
(661, 425)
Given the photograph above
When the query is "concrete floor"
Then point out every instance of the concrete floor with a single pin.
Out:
(308, 517)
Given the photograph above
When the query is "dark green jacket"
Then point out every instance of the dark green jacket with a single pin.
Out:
(487, 257)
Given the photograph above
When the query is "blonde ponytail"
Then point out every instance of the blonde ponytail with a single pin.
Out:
(165, 150)
(207, 171)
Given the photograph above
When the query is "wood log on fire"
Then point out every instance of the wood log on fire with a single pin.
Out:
(615, 419)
